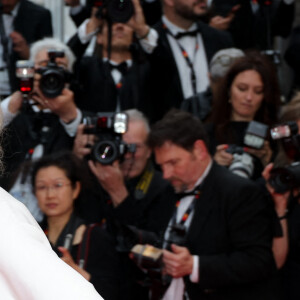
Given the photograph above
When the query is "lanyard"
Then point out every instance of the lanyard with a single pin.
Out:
(186, 57)
(188, 211)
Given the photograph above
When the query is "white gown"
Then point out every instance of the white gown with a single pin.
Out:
(29, 269)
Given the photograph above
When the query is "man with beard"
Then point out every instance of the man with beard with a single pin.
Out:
(226, 250)
(137, 199)
(179, 47)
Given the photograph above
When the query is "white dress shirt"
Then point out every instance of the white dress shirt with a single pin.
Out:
(197, 57)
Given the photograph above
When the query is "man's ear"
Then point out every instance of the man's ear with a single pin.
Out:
(200, 149)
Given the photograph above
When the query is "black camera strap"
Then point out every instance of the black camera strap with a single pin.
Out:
(84, 247)
(187, 59)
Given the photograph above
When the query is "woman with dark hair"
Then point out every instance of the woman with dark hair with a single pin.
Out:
(56, 181)
(248, 92)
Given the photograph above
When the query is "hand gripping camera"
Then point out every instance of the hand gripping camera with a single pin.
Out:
(242, 163)
(108, 129)
(54, 77)
(118, 11)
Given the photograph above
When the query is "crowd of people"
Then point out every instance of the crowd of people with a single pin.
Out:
(163, 165)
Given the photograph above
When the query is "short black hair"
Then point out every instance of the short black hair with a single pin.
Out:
(64, 160)
(179, 127)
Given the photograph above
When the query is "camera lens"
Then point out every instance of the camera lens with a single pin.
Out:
(52, 83)
(106, 152)
(120, 11)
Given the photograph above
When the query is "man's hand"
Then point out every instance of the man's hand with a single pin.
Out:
(20, 45)
(223, 23)
(15, 103)
(94, 22)
(280, 200)
(83, 142)
(137, 21)
(178, 263)
(72, 3)
(111, 179)
(62, 105)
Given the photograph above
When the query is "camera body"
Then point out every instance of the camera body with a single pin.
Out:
(287, 134)
(117, 11)
(243, 164)
(283, 179)
(108, 129)
(53, 77)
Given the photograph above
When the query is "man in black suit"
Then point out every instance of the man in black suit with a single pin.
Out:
(226, 252)
(136, 199)
(180, 48)
(22, 23)
(114, 77)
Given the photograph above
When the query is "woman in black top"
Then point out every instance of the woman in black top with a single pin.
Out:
(248, 92)
(86, 248)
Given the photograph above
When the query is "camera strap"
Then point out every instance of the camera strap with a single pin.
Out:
(196, 193)
(186, 57)
(66, 237)
(142, 187)
(84, 247)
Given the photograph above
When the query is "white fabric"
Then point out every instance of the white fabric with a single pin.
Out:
(83, 36)
(29, 269)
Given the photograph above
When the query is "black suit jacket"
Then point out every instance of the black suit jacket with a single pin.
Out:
(96, 90)
(257, 30)
(164, 88)
(34, 23)
(231, 233)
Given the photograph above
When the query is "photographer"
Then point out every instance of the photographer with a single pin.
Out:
(37, 125)
(227, 249)
(22, 22)
(248, 92)
(284, 191)
(57, 181)
(115, 76)
(136, 197)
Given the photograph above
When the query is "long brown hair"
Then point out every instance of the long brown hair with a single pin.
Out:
(267, 113)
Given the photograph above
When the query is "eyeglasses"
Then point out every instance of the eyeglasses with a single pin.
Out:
(57, 187)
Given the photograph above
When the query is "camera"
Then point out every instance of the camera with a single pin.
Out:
(53, 77)
(25, 75)
(243, 163)
(117, 11)
(283, 179)
(287, 134)
(108, 129)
